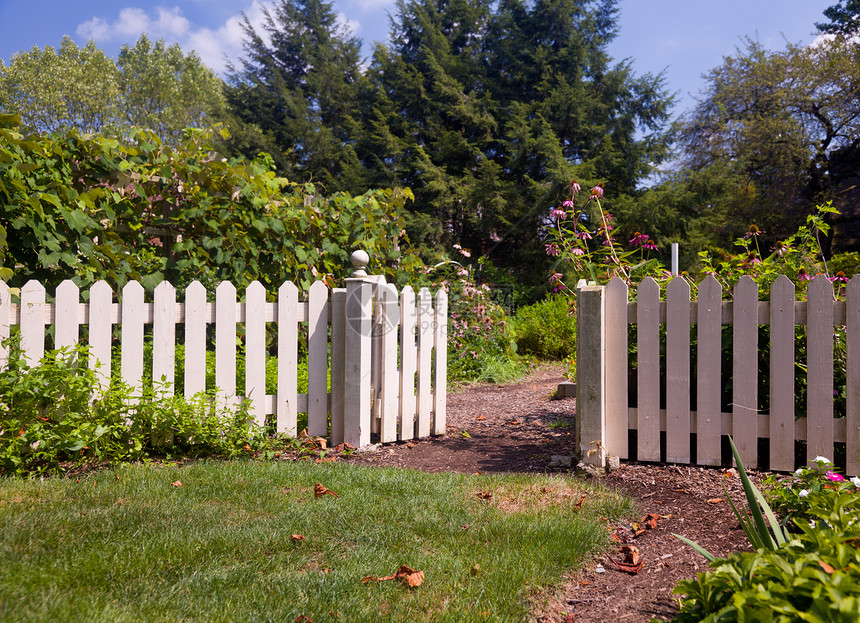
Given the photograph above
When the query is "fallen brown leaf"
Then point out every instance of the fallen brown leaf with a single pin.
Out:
(631, 554)
(302, 619)
(581, 502)
(409, 576)
(297, 537)
(176, 484)
(485, 495)
(410, 445)
(480, 418)
(320, 491)
(716, 500)
(827, 568)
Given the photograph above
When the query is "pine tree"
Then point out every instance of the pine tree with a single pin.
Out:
(295, 93)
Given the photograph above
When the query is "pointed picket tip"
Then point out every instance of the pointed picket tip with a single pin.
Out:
(783, 280)
(819, 286)
(195, 286)
(678, 286)
(32, 287)
(288, 288)
(225, 287)
(165, 287)
(648, 286)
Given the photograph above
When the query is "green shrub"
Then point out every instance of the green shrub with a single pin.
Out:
(546, 329)
(810, 573)
(52, 417)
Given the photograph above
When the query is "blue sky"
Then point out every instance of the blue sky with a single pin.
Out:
(685, 38)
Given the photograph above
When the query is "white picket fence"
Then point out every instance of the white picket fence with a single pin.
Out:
(604, 415)
(386, 353)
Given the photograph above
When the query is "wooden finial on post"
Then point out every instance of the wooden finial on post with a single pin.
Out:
(360, 259)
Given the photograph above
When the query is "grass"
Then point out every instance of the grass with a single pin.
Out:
(128, 545)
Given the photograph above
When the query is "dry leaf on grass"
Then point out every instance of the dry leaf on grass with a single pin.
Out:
(320, 491)
(485, 495)
(480, 418)
(297, 537)
(716, 501)
(406, 575)
(302, 619)
(176, 484)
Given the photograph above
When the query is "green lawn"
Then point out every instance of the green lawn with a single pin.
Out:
(127, 545)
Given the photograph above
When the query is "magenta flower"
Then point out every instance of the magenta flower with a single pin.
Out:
(578, 251)
(643, 240)
(552, 249)
(555, 278)
(557, 213)
(567, 203)
(583, 235)
(597, 192)
(574, 187)
(802, 275)
(834, 477)
(840, 276)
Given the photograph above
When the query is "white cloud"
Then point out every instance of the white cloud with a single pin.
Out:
(351, 26)
(214, 45)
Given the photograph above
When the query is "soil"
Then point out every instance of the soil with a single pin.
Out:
(520, 428)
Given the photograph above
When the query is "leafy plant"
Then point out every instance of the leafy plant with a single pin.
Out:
(546, 329)
(758, 532)
(53, 417)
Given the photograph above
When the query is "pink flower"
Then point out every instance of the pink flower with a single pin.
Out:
(834, 477)
(840, 276)
(583, 235)
(802, 275)
(555, 278)
(552, 249)
(567, 203)
(574, 187)
(754, 231)
(643, 240)
(578, 251)
(597, 192)
(557, 213)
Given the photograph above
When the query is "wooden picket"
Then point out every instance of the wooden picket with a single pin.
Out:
(406, 370)
(664, 420)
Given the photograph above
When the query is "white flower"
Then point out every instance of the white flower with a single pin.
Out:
(856, 481)
(821, 459)
(803, 493)
(800, 472)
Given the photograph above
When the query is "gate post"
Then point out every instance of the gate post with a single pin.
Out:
(358, 346)
(590, 375)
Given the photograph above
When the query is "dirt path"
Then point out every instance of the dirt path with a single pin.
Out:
(519, 428)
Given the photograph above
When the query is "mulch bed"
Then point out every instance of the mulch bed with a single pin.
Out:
(519, 428)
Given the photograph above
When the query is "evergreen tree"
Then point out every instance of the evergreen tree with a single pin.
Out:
(844, 18)
(488, 110)
(294, 94)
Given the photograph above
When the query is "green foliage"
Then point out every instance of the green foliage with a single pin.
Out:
(801, 497)
(546, 329)
(53, 417)
(844, 18)
(481, 345)
(295, 94)
(89, 208)
(153, 86)
(808, 573)
(785, 123)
